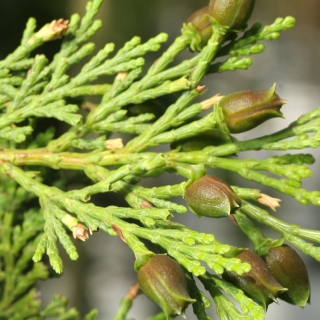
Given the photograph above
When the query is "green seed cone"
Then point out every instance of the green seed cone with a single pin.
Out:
(164, 282)
(288, 269)
(201, 22)
(211, 197)
(245, 110)
(259, 283)
(231, 13)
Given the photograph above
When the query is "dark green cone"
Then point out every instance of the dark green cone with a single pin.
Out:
(288, 269)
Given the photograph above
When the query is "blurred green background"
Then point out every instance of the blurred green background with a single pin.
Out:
(104, 272)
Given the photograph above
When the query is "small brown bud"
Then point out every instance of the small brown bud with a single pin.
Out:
(114, 144)
(80, 232)
(209, 103)
(270, 202)
(53, 30)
